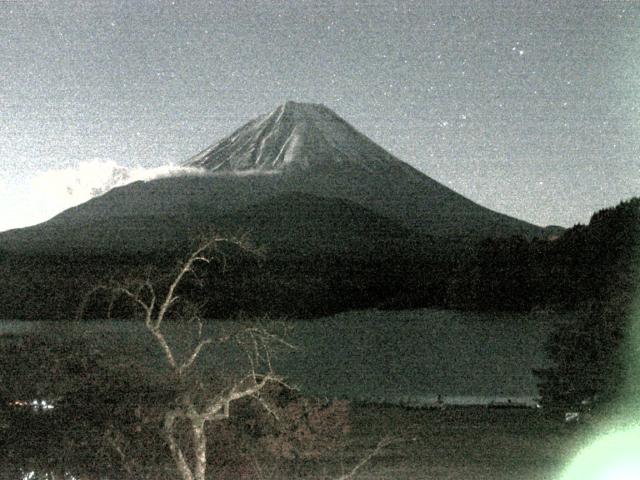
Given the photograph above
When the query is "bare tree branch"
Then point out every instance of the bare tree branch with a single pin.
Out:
(85, 301)
(114, 441)
(385, 442)
(174, 447)
(194, 355)
(166, 349)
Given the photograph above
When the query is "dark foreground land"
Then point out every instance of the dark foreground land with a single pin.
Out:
(461, 443)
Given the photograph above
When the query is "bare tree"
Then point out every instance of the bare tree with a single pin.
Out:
(196, 407)
(196, 404)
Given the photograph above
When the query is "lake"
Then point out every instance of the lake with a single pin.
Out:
(392, 356)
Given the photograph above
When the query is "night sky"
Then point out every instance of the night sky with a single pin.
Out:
(529, 108)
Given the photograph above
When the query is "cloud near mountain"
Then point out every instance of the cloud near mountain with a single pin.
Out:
(49, 192)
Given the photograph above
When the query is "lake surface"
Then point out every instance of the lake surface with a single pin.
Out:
(405, 356)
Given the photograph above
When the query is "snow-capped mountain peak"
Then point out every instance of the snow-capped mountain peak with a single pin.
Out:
(294, 134)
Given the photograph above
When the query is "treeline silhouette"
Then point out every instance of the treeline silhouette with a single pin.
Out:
(590, 364)
(585, 264)
(300, 280)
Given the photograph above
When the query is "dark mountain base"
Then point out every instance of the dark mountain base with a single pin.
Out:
(306, 286)
(321, 268)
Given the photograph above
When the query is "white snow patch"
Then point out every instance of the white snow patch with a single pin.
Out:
(286, 130)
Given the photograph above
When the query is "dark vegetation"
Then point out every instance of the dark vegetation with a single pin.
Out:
(107, 419)
(590, 365)
(344, 261)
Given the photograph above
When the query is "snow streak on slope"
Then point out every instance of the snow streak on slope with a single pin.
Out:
(299, 134)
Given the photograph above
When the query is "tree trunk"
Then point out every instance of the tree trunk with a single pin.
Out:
(200, 448)
(176, 451)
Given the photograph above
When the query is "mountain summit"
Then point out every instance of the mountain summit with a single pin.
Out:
(294, 135)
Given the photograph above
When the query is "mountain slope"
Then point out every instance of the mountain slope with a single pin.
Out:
(297, 148)
(318, 152)
(322, 255)
(295, 135)
(300, 223)
(290, 222)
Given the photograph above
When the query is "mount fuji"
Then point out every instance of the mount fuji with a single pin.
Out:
(345, 225)
(293, 156)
